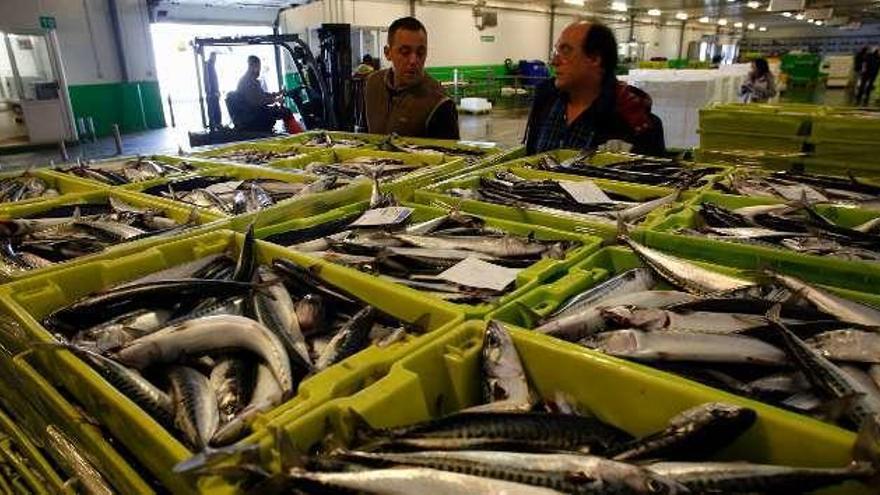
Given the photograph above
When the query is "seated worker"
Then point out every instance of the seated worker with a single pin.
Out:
(257, 109)
(585, 106)
(403, 99)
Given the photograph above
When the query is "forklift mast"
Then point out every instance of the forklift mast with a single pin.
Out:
(335, 66)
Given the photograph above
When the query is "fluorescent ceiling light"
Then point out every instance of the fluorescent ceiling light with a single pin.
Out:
(722, 22)
(681, 16)
(754, 5)
(619, 6)
(799, 17)
(786, 14)
(579, 3)
(751, 26)
(737, 24)
(654, 12)
(762, 28)
(705, 20)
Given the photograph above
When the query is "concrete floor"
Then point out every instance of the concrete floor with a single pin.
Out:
(504, 126)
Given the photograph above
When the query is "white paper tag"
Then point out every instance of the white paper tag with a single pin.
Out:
(473, 272)
(383, 216)
(797, 192)
(584, 191)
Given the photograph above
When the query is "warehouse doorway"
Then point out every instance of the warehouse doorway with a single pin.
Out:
(176, 67)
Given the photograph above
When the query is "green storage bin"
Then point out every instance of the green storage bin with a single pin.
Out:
(443, 376)
(862, 155)
(49, 415)
(101, 196)
(20, 451)
(370, 141)
(117, 162)
(30, 300)
(775, 121)
(62, 183)
(740, 140)
(843, 167)
(216, 154)
(527, 279)
(863, 127)
(772, 160)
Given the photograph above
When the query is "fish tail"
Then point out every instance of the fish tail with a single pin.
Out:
(867, 446)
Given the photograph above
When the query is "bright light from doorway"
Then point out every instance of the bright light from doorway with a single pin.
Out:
(681, 16)
(654, 12)
(619, 6)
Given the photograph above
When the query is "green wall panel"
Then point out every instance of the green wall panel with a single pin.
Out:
(135, 106)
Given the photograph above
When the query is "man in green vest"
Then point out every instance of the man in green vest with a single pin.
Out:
(403, 99)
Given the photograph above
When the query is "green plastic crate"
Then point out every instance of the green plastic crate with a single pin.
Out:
(862, 127)
(22, 452)
(775, 121)
(30, 300)
(527, 279)
(62, 183)
(843, 167)
(116, 162)
(444, 376)
(856, 154)
(740, 140)
(772, 160)
(370, 140)
(101, 196)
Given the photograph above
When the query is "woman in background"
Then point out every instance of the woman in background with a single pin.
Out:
(760, 85)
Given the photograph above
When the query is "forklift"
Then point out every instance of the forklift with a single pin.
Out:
(322, 99)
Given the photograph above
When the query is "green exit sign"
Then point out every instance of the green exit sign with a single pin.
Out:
(487, 39)
(47, 22)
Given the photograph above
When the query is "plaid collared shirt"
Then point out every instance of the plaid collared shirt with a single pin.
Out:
(555, 133)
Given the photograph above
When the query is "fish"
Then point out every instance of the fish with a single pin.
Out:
(655, 320)
(567, 473)
(692, 347)
(744, 477)
(684, 274)
(231, 379)
(632, 280)
(351, 338)
(848, 345)
(275, 309)
(211, 333)
(693, 434)
(196, 413)
(839, 307)
(505, 383)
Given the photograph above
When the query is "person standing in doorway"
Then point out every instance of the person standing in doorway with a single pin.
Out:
(870, 68)
(403, 99)
(212, 93)
(585, 106)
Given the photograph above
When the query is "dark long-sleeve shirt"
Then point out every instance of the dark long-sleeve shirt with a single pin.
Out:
(252, 93)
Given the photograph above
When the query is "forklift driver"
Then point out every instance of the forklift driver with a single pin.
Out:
(253, 109)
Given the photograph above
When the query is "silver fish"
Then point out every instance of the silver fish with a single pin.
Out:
(848, 345)
(276, 310)
(691, 347)
(231, 381)
(634, 280)
(654, 320)
(506, 247)
(839, 307)
(196, 412)
(505, 383)
(266, 395)
(211, 333)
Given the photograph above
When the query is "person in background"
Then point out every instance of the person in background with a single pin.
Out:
(212, 93)
(262, 109)
(366, 67)
(869, 69)
(403, 99)
(585, 106)
(760, 85)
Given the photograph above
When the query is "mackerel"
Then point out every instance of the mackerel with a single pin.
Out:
(195, 405)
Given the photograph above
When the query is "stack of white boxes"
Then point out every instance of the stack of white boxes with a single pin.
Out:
(678, 96)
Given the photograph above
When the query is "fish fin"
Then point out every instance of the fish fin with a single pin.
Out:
(530, 316)
(867, 444)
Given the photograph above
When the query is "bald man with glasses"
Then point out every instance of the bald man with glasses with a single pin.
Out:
(585, 106)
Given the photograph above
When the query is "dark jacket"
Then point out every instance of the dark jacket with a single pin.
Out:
(422, 110)
(621, 112)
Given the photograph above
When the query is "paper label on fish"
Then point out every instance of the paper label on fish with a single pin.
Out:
(474, 272)
(584, 191)
(378, 217)
(798, 192)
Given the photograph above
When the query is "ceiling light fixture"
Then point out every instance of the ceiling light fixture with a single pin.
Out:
(811, 21)
(705, 20)
(722, 22)
(737, 24)
(762, 28)
(751, 26)
(619, 6)
(681, 16)
(819, 23)
(786, 14)
(577, 3)
(654, 12)
(754, 5)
